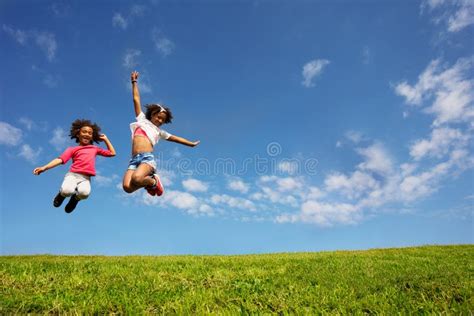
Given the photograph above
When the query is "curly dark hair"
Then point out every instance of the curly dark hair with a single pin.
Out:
(152, 108)
(78, 124)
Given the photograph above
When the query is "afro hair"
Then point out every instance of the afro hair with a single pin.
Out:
(78, 124)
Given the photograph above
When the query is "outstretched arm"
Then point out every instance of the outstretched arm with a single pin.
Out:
(136, 95)
(107, 142)
(53, 163)
(183, 141)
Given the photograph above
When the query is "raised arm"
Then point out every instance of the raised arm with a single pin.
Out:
(136, 95)
(53, 163)
(107, 142)
(183, 141)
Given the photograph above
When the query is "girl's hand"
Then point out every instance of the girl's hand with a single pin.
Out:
(134, 76)
(39, 171)
(194, 144)
(103, 137)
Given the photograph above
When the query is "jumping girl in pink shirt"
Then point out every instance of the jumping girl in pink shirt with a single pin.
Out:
(146, 132)
(76, 183)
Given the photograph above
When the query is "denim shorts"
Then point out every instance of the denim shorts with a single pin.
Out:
(138, 159)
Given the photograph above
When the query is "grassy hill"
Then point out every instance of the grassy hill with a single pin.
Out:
(430, 279)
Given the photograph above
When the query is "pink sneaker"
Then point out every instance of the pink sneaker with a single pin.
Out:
(159, 190)
(151, 190)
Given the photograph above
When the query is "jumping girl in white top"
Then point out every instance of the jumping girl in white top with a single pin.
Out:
(146, 133)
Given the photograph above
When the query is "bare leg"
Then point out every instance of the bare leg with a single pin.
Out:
(127, 182)
(138, 178)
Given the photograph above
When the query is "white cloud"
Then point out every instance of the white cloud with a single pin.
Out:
(313, 69)
(422, 184)
(463, 17)
(366, 55)
(233, 202)
(60, 139)
(377, 159)
(119, 21)
(279, 190)
(46, 41)
(407, 168)
(378, 183)
(145, 87)
(176, 153)
(195, 185)
(454, 101)
(105, 181)
(414, 187)
(166, 177)
(366, 193)
(451, 89)
(257, 196)
(289, 184)
(455, 14)
(51, 81)
(130, 58)
(274, 196)
(138, 10)
(408, 186)
(178, 199)
(162, 44)
(324, 214)
(28, 123)
(427, 81)
(181, 200)
(29, 153)
(238, 185)
(271, 195)
(352, 187)
(431, 4)
(314, 193)
(412, 94)
(60, 9)
(354, 136)
(266, 179)
(283, 184)
(204, 208)
(327, 214)
(394, 184)
(10, 135)
(441, 141)
(450, 92)
(18, 35)
(123, 22)
(165, 46)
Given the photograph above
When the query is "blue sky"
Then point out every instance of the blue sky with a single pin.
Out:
(323, 125)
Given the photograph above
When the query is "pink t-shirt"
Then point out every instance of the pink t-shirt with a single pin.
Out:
(83, 158)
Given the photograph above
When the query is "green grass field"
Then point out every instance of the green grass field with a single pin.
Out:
(431, 279)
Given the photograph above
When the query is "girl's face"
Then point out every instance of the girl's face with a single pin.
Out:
(86, 134)
(158, 118)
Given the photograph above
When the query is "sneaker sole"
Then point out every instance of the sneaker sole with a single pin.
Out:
(159, 190)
